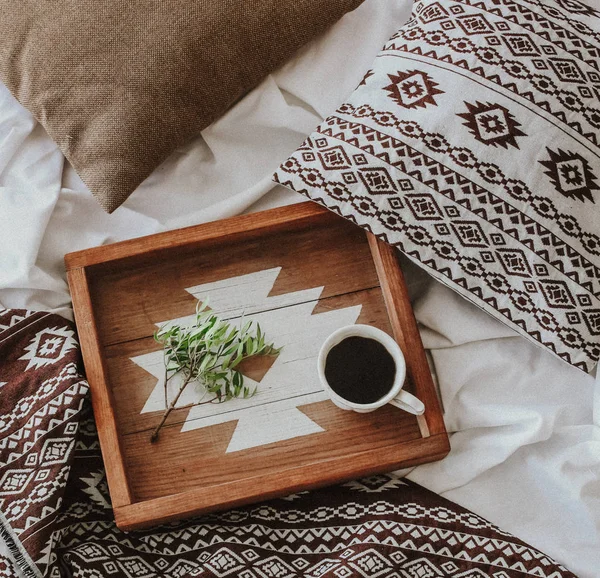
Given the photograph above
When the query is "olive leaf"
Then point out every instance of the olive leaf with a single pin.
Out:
(208, 352)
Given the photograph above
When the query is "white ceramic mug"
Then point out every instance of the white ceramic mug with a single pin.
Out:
(396, 396)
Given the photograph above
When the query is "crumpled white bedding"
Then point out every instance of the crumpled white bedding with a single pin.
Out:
(525, 426)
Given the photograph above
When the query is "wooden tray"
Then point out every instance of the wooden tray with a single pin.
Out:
(304, 272)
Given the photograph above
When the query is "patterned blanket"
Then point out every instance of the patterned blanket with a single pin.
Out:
(56, 519)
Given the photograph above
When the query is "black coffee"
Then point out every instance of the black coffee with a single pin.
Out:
(360, 370)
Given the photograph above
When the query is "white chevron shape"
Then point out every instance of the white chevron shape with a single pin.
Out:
(272, 414)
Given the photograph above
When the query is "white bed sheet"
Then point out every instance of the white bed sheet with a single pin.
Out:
(525, 426)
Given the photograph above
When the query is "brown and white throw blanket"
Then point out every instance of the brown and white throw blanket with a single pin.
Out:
(56, 519)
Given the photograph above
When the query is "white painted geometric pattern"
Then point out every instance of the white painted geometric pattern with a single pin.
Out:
(271, 415)
(49, 346)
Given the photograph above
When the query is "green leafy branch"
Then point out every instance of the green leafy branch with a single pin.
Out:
(208, 352)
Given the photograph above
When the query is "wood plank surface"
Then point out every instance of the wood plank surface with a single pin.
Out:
(202, 500)
(406, 331)
(154, 291)
(182, 461)
(220, 232)
(102, 399)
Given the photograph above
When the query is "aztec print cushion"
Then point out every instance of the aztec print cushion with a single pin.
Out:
(56, 519)
(473, 145)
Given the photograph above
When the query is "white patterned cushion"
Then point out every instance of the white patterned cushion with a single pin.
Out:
(473, 145)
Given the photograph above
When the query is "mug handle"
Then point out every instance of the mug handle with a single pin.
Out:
(408, 402)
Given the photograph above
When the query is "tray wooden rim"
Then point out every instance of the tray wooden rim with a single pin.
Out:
(131, 514)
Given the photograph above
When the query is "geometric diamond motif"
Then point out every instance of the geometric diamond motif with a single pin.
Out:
(90, 551)
(322, 567)
(49, 346)
(577, 7)
(110, 567)
(370, 563)
(14, 481)
(224, 562)
(422, 568)
(250, 555)
(497, 239)
(514, 262)
(573, 317)
(541, 270)
(116, 551)
(470, 233)
(377, 181)
(571, 174)
(396, 203)
(42, 475)
(449, 567)
(334, 158)
(557, 294)
(487, 257)
(424, 207)
(56, 451)
(349, 178)
(274, 567)
(71, 428)
(31, 460)
(592, 320)
(432, 12)
(398, 557)
(300, 563)
(182, 568)
(567, 70)
(474, 24)
(405, 185)
(593, 76)
(539, 63)
(584, 300)
(412, 89)
(492, 124)
(375, 485)
(520, 44)
(136, 567)
(451, 211)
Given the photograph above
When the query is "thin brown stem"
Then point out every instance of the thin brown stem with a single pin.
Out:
(169, 409)
(166, 386)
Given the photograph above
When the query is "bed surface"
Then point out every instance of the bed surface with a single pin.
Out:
(525, 426)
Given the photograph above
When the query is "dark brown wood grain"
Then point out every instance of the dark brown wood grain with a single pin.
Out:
(406, 331)
(122, 291)
(102, 398)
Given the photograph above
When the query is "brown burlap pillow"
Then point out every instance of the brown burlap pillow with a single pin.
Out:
(119, 85)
